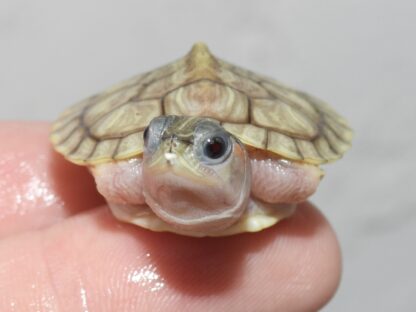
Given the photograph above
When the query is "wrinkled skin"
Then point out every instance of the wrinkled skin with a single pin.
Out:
(62, 250)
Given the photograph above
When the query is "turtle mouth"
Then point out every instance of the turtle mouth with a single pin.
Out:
(192, 206)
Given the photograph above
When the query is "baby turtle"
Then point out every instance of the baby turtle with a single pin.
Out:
(201, 147)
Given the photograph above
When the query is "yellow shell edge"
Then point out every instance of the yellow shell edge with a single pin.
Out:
(256, 221)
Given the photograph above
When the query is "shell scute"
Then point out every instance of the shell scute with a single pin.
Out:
(282, 117)
(126, 119)
(283, 145)
(209, 99)
(128, 145)
(248, 86)
(96, 111)
(249, 134)
(261, 112)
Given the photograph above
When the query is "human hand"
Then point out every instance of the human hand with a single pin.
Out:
(62, 250)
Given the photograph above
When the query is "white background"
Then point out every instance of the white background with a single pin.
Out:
(358, 55)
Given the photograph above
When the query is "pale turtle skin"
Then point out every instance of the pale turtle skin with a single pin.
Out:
(146, 142)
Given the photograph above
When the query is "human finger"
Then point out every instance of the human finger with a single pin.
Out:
(93, 262)
(37, 186)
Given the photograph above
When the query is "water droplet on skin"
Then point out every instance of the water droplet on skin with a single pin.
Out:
(24, 185)
(36, 189)
(84, 302)
(147, 277)
(47, 303)
(109, 291)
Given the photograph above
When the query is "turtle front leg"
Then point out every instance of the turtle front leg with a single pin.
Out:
(120, 182)
(282, 181)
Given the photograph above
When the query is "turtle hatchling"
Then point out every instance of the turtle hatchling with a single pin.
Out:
(201, 147)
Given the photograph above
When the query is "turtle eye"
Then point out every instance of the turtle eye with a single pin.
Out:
(153, 133)
(215, 147)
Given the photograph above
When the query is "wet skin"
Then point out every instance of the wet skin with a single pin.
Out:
(62, 250)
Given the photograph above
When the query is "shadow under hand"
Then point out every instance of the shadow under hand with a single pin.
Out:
(73, 184)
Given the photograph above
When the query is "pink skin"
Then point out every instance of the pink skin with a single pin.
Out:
(66, 252)
(121, 182)
(282, 181)
(206, 201)
(273, 181)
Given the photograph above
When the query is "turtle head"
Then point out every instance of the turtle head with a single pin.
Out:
(196, 175)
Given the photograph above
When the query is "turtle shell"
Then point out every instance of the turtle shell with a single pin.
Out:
(261, 112)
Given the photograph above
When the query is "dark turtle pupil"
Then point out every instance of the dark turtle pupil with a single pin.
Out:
(214, 147)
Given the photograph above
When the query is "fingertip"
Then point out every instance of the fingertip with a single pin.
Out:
(93, 258)
(316, 259)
